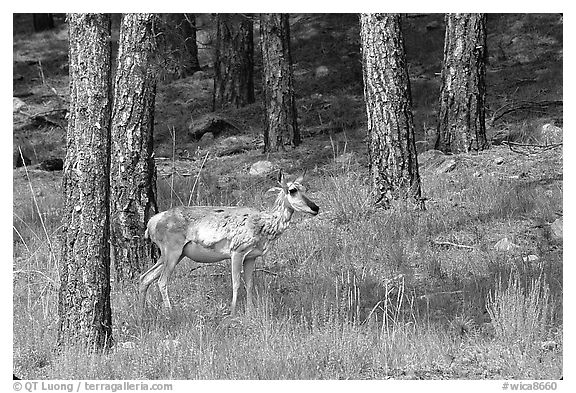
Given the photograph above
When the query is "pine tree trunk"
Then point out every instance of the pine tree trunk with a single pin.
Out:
(84, 296)
(189, 35)
(42, 22)
(132, 170)
(393, 163)
(182, 49)
(461, 125)
(234, 62)
(281, 119)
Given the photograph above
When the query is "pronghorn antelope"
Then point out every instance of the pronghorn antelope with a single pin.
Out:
(208, 234)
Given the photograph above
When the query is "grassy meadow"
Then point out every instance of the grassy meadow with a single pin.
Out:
(353, 293)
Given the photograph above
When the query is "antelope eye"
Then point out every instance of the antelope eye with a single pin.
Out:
(292, 191)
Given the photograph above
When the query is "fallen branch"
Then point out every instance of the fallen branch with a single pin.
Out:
(515, 151)
(545, 147)
(523, 106)
(441, 243)
(536, 148)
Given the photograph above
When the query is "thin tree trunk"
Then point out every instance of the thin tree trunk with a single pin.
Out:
(461, 119)
(180, 38)
(393, 163)
(234, 62)
(281, 119)
(189, 35)
(84, 311)
(132, 175)
(42, 22)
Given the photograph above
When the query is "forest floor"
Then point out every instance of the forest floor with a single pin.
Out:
(354, 293)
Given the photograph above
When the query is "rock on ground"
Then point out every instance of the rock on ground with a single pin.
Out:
(550, 134)
(504, 244)
(437, 161)
(556, 228)
(261, 167)
(17, 104)
(321, 71)
(207, 138)
(213, 123)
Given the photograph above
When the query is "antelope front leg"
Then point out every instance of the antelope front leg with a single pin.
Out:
(237, 261)
(248, 282)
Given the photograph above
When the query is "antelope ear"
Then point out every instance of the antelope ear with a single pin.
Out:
(282, 180)
(300, 178)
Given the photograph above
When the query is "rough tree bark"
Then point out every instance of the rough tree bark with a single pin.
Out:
(85, 317)
(393, 163)
(234, 62)
(132, 169)
(181, 43)
(461, 125)
(281, 118)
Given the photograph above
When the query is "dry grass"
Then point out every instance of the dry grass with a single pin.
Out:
(521, 312)
(356, 293)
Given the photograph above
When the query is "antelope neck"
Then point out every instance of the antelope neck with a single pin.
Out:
(280, 216)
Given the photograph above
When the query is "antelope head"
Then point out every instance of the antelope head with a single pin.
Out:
(295, 195)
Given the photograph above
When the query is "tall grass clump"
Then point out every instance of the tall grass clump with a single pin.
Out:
(521, 313)
(347, 196)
